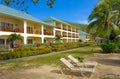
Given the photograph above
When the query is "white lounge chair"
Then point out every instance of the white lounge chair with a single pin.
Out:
(86, 64)
(76, 69)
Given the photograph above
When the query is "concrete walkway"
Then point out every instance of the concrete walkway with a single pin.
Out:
(36, 56)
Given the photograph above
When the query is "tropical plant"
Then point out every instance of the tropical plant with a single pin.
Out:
(12, 38)
(108, 48)
(57, 37)
(102, 19)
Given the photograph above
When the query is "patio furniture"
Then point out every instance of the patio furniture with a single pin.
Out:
(78, 63)
(72, 68)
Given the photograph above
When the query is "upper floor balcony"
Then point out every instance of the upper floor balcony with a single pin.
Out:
(34, 31)
(48, 33)
(64, 28)
(58, 27)
(64, 35)
(11, 29)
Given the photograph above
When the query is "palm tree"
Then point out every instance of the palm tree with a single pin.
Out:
(12, 38)
(57, 37)
(101, 19)
(116, 11)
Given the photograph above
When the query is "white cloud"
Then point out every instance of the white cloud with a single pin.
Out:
(83, 22)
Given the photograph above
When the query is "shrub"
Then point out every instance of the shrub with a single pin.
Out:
(108, 48)
(27, 51)
(4, 48)
(27, 45)
(118, 45)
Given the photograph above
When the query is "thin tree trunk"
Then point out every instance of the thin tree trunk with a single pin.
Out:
(108, 35)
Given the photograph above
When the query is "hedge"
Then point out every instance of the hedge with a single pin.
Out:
(31, 50)
(23, 52)
(110, 48)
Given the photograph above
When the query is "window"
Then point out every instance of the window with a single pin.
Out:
(2, 26)
(30, 41)
(6, 26)
(29, 29)
(2, 41)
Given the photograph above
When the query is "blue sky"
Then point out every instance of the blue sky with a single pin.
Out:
(70, 10)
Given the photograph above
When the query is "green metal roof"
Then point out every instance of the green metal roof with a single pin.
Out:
(19, 14)
(82, 32)
(52, 18)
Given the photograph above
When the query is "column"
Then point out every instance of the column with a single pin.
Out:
(75, 37)
(5, 42)
(54, 31)
(61, 33)
(42, 28)
(67, 33)
(25, 32)
(71, 35)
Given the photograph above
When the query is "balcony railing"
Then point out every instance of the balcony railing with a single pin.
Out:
(58, 27)
(37, 32)
(48, 33)
(30, 31)
(64, 35)
(34, 31)
(21, 30)
(76, 36)
(11, 29)
(69, 29)
(73, 30)
(64, 28)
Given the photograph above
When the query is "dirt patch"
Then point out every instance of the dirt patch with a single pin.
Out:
(109, 66)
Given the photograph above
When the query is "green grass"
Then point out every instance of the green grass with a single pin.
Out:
(50, 60)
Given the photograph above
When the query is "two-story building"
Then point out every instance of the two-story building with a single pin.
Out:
(32, 29)
(67, 32)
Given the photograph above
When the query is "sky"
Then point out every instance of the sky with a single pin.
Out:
(69, 10)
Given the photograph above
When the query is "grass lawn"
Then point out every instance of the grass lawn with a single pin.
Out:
(50, 60)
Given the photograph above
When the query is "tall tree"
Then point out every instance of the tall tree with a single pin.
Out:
(22, 4)
(116, 11)
(101, 19)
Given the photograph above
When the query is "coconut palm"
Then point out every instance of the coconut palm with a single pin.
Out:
(116, 11)
(13, 37)
(101, 19)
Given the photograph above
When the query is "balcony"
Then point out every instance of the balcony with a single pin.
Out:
(64, 35)
(11, 29)
(58, 27)
(48, 33)
(34, 31)
(64, 28)
(21, 30)
(74, 36)
(37, 32)
(73, 30)
(69, 36)
(69, 30)
(30, 31)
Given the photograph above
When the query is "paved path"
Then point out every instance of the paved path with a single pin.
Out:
(36, 56)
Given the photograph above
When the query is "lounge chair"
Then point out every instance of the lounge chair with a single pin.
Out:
(75, 69)
(86, 64)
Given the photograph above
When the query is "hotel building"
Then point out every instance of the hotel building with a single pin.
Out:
(32, 29)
